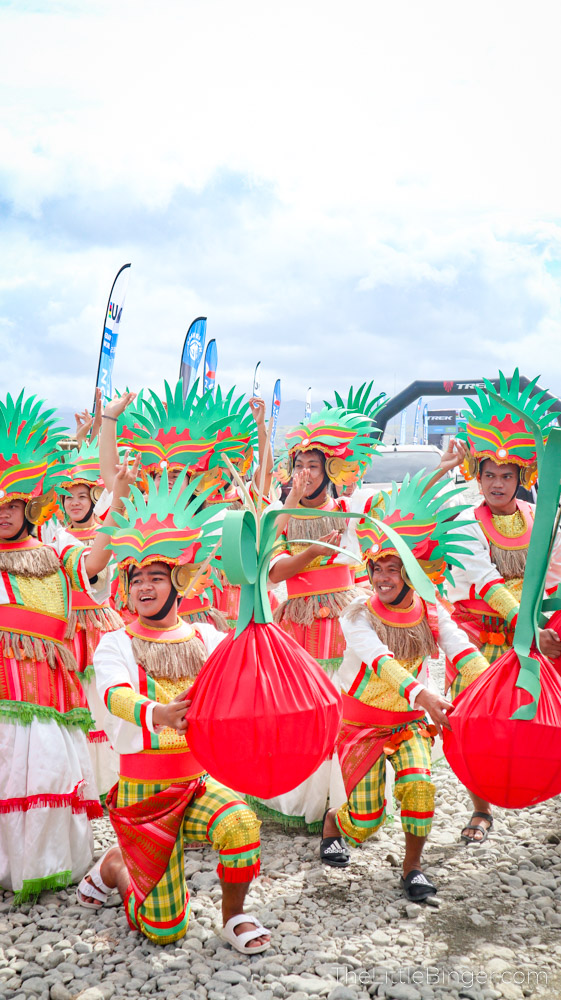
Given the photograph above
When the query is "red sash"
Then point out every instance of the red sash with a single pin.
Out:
(147, 832)
(366, 733)
(26, 622)
(320, 580)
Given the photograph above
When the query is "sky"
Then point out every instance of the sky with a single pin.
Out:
(346, 190)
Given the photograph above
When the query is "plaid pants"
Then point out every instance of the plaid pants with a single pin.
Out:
(217, 817)
(365, 810)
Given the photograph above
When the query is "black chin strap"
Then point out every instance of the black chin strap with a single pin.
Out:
(82, 520)
(402, 594)
(25, 527)
(163, 612)
(320, 489)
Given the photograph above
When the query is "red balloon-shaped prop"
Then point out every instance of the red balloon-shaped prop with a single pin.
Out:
(264, 715)
(509, 762)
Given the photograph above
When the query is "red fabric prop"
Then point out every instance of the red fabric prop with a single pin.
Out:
(264, 715)
(509, 762)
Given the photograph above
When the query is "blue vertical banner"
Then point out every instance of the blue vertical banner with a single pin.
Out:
(193, 348)
(308, 410)
(257, 380)
(113, 313)
(210, 366)
(403, 427)
(426, 423)
(275, 409)
(417, 419)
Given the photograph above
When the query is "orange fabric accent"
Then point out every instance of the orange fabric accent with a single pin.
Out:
(159, 766)
(320, 580)
(176, 633)
(27, 622)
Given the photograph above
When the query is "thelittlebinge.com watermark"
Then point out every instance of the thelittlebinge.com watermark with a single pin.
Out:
(431, 975)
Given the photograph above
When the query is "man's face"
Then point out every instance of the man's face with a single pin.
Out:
(311, 463)
(78, 504)
(499, 483)
(387, 580)
(149, 588)
(12, 516)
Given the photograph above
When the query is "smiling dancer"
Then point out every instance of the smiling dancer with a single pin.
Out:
(486, 590)
(389, 636)
(47, 787)
(143, 674)
(79, 489)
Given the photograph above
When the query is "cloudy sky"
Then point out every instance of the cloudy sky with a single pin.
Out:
(346, 190)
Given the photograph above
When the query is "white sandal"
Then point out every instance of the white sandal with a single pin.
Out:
(96, 889)
(240, 941)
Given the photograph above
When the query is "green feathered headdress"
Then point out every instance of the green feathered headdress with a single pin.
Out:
(29, 436)
(163, 525)
(432, 532)
(344, 438)
(496, 428)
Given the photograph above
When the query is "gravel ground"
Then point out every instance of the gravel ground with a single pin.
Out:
(337, 934)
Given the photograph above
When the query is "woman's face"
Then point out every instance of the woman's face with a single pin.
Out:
(77, 506)
(312, 464)
(12, 515)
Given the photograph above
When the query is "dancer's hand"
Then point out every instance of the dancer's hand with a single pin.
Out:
(118, 405)
(257, 407)
(437, 708)
(174, 714)
(453, 456)
(299, 487)
(550, 643)
(317, 549)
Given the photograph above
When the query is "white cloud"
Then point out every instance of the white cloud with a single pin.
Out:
(340, 188)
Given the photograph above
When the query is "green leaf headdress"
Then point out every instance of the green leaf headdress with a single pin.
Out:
(29, 436)
(344, 438)
(431, 533)
(163, 525)
(501, 428)
(80, 467)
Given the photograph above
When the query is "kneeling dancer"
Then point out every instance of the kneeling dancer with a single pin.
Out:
(143, 673)
(389, 637)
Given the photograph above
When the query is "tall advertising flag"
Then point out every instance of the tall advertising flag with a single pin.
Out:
(113, 315)
(211, 364)
(256, 380)
(275, 408)
(417, 419)
(426, 423)
(308, 410)
(403, 427)
(192, 352)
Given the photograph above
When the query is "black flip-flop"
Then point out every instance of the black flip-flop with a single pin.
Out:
(416, 886)
(483, 830)
(333, 850)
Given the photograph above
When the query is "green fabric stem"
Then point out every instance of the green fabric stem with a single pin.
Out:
(289, 822)
(23, 713)
(31, 888)
(330, 666)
